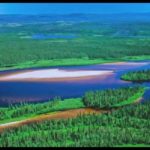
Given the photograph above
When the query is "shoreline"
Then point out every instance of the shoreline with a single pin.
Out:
(64, 114)
(71, 62)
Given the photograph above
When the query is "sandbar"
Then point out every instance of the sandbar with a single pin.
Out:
(54, 74)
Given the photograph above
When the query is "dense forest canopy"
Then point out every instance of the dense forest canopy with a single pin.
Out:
(125, 127)
(96, 36)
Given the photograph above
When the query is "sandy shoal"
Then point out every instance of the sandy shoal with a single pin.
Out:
(53, 74)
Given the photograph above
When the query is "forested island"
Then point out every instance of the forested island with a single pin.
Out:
(137, 76)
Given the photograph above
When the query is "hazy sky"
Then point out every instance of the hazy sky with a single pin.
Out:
(66, 8)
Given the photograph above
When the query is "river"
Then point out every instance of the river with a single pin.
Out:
(12, 92)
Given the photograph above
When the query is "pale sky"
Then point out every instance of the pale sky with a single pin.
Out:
(66, 8)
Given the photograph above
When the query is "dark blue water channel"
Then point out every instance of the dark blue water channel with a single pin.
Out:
(40, 91)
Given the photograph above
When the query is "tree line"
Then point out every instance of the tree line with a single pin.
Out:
(108, 98)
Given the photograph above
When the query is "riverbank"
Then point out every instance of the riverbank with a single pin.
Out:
(70, 62)
(75, 118)
(64, 114)
(27, 110)
(68, 108)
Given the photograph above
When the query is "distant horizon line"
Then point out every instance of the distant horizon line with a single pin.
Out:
(78, 13)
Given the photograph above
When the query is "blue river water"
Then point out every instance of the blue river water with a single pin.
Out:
(12, 92)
